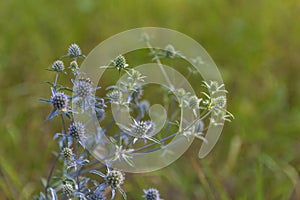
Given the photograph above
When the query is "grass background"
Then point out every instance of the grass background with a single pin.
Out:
(256, 45)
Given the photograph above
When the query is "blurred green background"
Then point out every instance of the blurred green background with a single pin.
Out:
(255, 44)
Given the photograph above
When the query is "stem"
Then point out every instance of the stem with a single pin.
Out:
(132, 139)
(181, 118)
(50, 175)
(160, 65)
(94, 168)
(63, 123)
(55, 81)
(201, 117)
(77, 171)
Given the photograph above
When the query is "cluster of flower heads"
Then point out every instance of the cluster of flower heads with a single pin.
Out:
(77, 176)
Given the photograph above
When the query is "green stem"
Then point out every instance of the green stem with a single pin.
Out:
(160, 65)
(50, 175)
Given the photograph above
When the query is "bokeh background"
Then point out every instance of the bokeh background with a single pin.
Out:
(256, 45)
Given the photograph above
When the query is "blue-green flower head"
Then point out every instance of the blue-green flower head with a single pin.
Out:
(68, 189)
(114, 178)
(58, 66)
(83, 88)
(76, 130)
(120, 62)
(59, 100)
(74, 51)
(143, 128)
(151, 194)
(67, 153)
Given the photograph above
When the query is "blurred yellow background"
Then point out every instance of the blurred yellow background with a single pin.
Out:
(255, 44)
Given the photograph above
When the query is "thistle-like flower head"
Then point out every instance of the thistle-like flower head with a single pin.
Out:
(114, 178)
(193, 102)
(214, 87)
(59, 100)
(218, 102)
(67, 153)
(83, 88)
(151, 194)
(58, 66)
(120, 62)
(76, 130)
(170, 51)
(73, 66)
(143, 128)
(115, 96)
(74, 51)
(68, 189)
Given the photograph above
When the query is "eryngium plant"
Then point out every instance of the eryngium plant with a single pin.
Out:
(74, 172)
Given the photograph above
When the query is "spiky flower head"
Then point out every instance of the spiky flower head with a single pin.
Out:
(170, 51)
(135, 76)
(67, 153)
(193, 102)
(219, 102)
(181, 95)
(74, 51)
(151, 194)
(58, 66)
(83, 88)
(120, 62)
(114, 178)
(143, 128)
(59, 101)
(73, 65)
(214, 87)
(115, 96)
(76, 130)
(68, 189)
